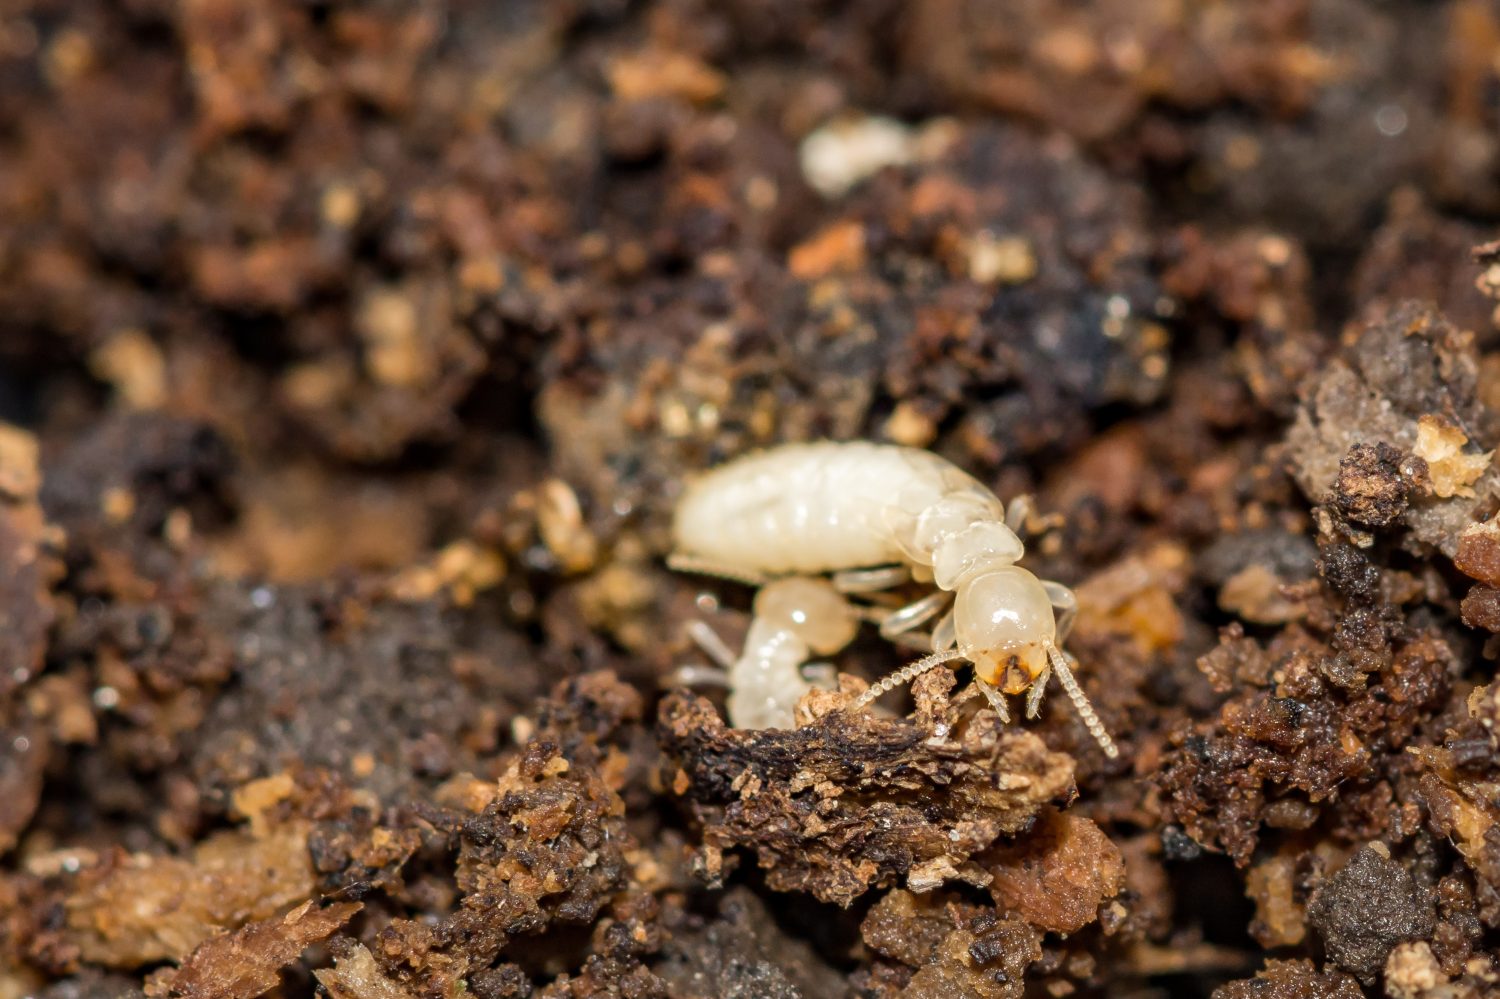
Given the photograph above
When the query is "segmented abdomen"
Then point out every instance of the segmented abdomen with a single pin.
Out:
(810, 508)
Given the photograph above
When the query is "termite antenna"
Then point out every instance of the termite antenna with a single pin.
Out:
(1081, 702)
(906, 674)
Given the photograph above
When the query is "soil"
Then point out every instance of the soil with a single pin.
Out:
(353, 356)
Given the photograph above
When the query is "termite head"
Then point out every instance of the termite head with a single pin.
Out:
(1005, 627)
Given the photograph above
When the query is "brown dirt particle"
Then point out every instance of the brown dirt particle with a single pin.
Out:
(355, 975)
(909, 928)
(550, 848)
(1280, 919)
(959, 949)
(131, 361)
(744, 954)
(1365, 909)
(247, 963)
(135, 910)
(1412, 972)
(1453, 470)
(650, 74)
(1481, 608)
(986, 963)
(1405, 364)
(1375, 484)
(1479, 552)
(20, 473)
(855, 801)
(1292, 980)
(1057, 874)
(839, 248)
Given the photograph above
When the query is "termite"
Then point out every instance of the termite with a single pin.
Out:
(871, 517)
(793, 618)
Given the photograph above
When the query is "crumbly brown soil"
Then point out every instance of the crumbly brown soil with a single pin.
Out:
(352, 358)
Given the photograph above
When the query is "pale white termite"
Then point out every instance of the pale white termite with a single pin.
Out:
(793, 618)
(874, 516)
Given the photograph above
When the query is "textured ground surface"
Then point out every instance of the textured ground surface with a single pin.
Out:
(351, 359)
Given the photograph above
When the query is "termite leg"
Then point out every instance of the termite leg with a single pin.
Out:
(1018, 512)
(917, 641)
(696, 676)
(945, 635)
(1065, 604)
(712, 645)
(874, 580)
(914, 614)
(996, 699)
